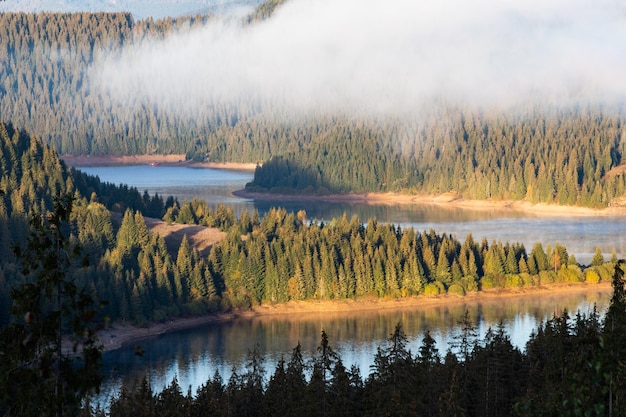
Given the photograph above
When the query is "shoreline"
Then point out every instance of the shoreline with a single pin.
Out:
(121, 335)
(449, 199)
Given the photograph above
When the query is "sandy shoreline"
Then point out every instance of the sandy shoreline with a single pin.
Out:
(120, 334)
(450, 199)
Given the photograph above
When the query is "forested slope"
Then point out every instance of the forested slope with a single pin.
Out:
(31, 176)
(545, 156)
(569, 365)
(45, 67)
(542, 153)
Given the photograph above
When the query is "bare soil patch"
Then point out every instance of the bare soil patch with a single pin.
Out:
(200, 237)
(88, 160)
(424, 302)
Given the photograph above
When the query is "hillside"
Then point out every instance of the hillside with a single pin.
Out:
(200, 237)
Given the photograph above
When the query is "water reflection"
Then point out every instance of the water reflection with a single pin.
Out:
(193, 356)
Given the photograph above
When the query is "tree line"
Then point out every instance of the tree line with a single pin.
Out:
(571, 366)
(565, 156)
(557, 155)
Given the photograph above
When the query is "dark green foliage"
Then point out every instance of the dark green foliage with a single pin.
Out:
(284, 259)
(273, 259)
(496, 375)
(124, 261)
(614, 345)
(389, 389)
(39, 375)
(134, 401)
(547, 155)
(198, 212)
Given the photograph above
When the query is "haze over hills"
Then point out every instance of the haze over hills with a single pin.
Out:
(140, 9)
(328, 95)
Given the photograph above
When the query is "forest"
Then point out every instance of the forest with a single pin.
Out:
(275, 258)
(569, 155)
(135, 278)
(571, 365)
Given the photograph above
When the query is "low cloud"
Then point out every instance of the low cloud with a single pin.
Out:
(384, 57)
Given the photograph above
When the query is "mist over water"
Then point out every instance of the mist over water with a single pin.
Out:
(384, 57)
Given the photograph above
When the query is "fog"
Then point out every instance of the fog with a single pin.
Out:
(387, 57)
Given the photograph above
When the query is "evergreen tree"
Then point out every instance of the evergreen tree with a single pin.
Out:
(598, 257)
(614, 334)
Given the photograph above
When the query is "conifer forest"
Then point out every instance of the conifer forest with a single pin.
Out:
(77, 253)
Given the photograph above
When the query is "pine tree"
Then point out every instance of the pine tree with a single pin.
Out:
(443, 273)
(598, 257)
(540, 257)
(614, 348)
(428, 362)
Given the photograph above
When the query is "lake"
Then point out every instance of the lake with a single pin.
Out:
(192, 356)
(580, 234)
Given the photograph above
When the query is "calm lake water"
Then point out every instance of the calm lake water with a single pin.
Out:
(192, 356)
(580, 234)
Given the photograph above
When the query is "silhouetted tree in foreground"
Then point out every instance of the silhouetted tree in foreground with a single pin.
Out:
(49, 355)
(614, 346)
